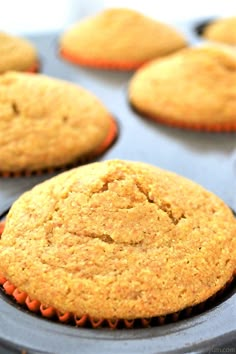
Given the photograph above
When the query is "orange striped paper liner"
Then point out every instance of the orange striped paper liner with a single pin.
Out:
(100, 63)
(213, 127)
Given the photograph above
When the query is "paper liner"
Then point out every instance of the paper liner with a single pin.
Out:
(2, 224)
(109, 140)
(33, 69)
(87, 321)
(214, 127)
(100, 63)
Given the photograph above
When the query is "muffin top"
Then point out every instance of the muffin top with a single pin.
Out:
(121, 35)
(46, 122)
(222, 30)
(119, 239)
(16, 54)
(196, 85)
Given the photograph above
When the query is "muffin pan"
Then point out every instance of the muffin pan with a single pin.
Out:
(199, 28)
(207, 158)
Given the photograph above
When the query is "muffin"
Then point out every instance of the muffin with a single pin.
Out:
(118, 39)
(221, 30)
(118, 240)
(194, 88)
(48, 123)
(17, 54)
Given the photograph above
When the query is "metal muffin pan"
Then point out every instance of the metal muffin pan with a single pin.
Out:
(200, 27)
(207, 158)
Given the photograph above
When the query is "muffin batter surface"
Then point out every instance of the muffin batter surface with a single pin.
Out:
(222, 30)
(16, 54)
(195, 87)
(47, 122)
(119, 240)
(119, 37)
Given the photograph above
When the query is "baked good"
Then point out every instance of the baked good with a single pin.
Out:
(194, 88)
(221, 30)
(48, 123)
(118, 240)
(17, 54)
(118, 39)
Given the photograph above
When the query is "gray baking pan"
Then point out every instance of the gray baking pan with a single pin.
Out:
(207, 158)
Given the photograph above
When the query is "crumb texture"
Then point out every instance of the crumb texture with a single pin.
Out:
(16, 53)
(222, 30)
(46, 122)
(126, 35)
(119, 239)
(194, 86)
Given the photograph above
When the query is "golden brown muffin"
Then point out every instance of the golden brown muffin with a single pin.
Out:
(222, 30)
(46, 122)
(119, 239)
(195, 88)
(17, 54)
(119, 38)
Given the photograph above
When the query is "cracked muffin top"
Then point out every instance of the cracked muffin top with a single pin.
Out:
(196, 87)
(119, 239)
(127, 36)
(221, 30)
(16, 54)
(46, 122)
